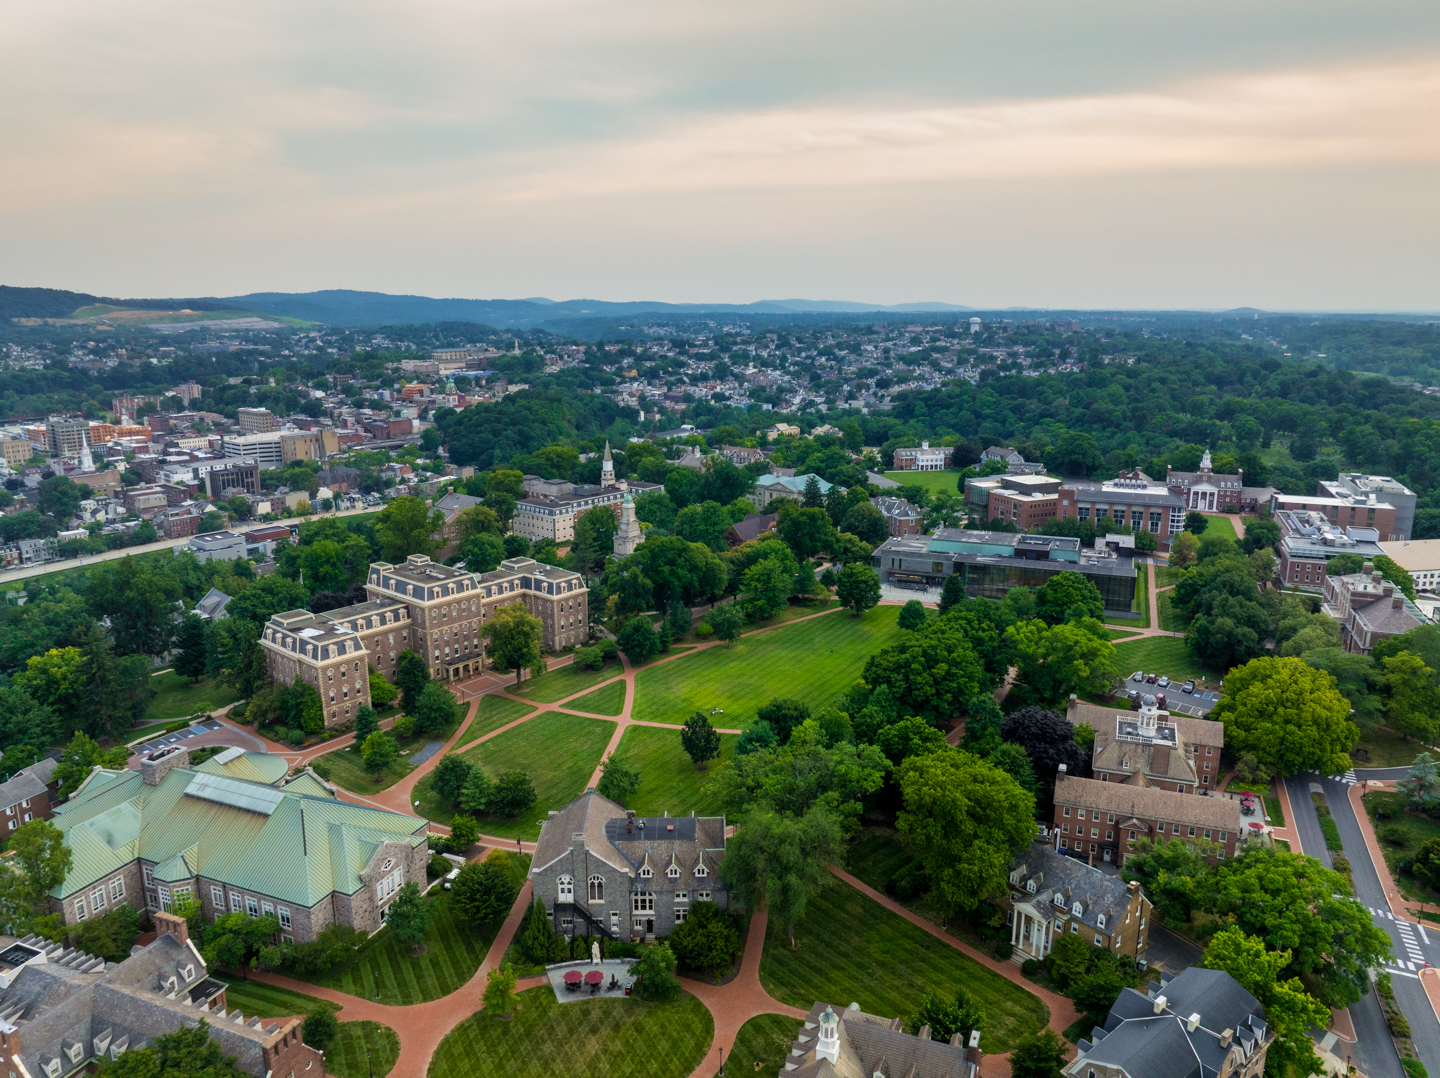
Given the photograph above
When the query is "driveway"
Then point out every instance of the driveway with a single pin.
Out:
(1171, 952)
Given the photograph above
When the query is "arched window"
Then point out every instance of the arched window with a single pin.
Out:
(567, 889)
(597, 889)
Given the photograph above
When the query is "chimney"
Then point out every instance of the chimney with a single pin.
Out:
(1192, 1023)
(1226, 1036)
(974, 1038)
(1160, 1004)
(1133, 887)
(957, 1039)
(924, 1033)
(1397, 602)
(169, 922)
(629, 823)
(155, 766)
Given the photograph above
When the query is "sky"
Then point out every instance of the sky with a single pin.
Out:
(1108, 154)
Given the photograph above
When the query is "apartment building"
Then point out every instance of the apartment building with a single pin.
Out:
(256, 420)
(68, 438)
(308, 445)
(16, 451)
(231, 475)
(263, 449)
(1374, 489)
(1101, 821)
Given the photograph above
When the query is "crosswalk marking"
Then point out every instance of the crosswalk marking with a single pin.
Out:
(1423, 936)
(1349, 778)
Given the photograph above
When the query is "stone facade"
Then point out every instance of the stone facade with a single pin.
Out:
(323, 654)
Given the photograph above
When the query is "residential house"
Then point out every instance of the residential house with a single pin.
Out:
(212, 606)
(635, 877)
(1199, 1024)
(901, 517)
(1101, 821)
(751, 527)
(1050, 894)
(925, 458)
(740, 455)
(782, 430)
(849, 1042)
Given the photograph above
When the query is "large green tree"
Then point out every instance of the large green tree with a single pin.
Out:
(964, 819)
(1066, 596)
(408, 526)
(40, 861)
(139, 602)
(858, 587)
(512, 638)
(1413, 707)
(931, 672)
(1054, 661)
(780, 861)
(186, 1053)
(1287, 714)
(484, 891)
(437, 709)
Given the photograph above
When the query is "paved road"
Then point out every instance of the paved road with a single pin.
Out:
(24, 573)
(1412, 946)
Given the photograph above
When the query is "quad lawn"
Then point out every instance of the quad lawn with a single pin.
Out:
(668, 780)
(1388, 749)
(851, 948)
(1171, 618)
(454, 952)
(606, 700)
(1221, 526)
(1412, 831)
(1165, 655)
(362, 1049)
(267, 1000)
(555, 685)
(559, 752)
(876, 856)
(546, 1038)
(1166, 576)
(762, 1044)
(812, 661)
(934, 482)
(176, 698)
(492, 712)
(347, 769)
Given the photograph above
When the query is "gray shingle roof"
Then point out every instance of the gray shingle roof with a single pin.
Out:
(1074, 881)
(1149, 803)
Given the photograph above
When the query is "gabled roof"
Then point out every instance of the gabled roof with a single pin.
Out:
(236, 763)
(587, 815)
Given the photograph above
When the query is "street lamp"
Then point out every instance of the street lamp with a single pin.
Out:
(722, 1061)
(377, 985)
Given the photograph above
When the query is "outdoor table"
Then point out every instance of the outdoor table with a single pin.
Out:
(572, 979)
(594, 979)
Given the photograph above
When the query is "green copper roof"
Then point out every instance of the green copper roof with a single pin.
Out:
(305, 848)
(239, 764)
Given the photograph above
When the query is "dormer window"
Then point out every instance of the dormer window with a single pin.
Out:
(1100, 921)
(673, 872)
(1059, 900)
(1015, 878)
(1030, 886)
(1075, 909)
(701, 871)
(645, 873)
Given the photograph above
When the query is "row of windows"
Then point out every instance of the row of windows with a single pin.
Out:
(644, 901)
(114, 888)
(1095, 846)
(390, 884)
(1175, 829)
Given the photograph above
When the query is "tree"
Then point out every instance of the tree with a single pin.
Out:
(704, 522)
(186, 1053)
(536, 939)
(464, 833)
(57, 679)
(235, 939)
(40, 860)
(1426, 865)
(1183, 550)
(484, 891)
(806, 531)
(1288, 715)
(1390, 570)
(728, 622)
(60, 497)
(190, 650)
(1422, 785)
(320, 1028)
(779, 861)
(408, 526)
(475, 794)
(1260, 534)
(1038, 1055)
(381, 691)
(451, 774)
(767, 585)
(947, 1017)
(594, 538)
(1065, 591)
(1289, 1009)
(699, 740)
(378, 752)
(618, 780)
(139, 602)
(1170, 875)
(512, 637)
(512, 795)
(1055, 661)
(1048, 739)
(930, 673)
(483, 552)
(858, 587)
(1195, 522)
(499, 996)
(867, 523)
(963, 819)
(436, 710)
(912, 615)
(412, 674)
(1413, 708)
(408, 916)
(366, 723)
(1015, 762)
(707, 940)
(82, 755)
(655, 974)
(759, 735)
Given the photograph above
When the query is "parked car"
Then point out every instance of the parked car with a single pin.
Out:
(1164, 683)
(1189, 686)
(1150, 679)
(450, 877)
(1139, 675)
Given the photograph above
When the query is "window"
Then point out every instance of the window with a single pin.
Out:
(1117, 942)
(1100, 920)
(1109, 836)
(700, 870)
(235, 902)
(1110, 818)
(673, 872)
(97, 899)
(149, 875)
(597, 889)
(702, 896)
(1065, 829)
(642, 902)
(251, 906)
(1224, 835)
(80, 913)
(267, 909)
(1064, 843)
(1132, 836)
(1067, 811)
(1030, 886)
(680, 916)
(284, 914)
(1098, 942)
(682, 896)
(150, 903)
(1094, 832)
(1075, 927)
(566, 888)
(117, 888)
(1207, 834)
(1080, 813)
(217, 898)
(1192, 833)
(645, 872)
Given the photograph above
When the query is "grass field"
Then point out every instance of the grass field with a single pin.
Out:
(931, 481)
(876, 856)
(1141, 604)
(566, 681)
(362, 1049)
(852, 948)
(1221, 526)
(668, 780)
(814, 662)
(347, 769)
(176, 698)
(762, 1044)
(1386, 749)
(455, 951)
(267, 1000)
(1166, 655)
(546, 1038)
(1414, 831)
(491, 713)
(558, 751)
(1171, 619)
(606, 700)
(1166, 576)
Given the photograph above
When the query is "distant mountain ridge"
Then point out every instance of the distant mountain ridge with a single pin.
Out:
(344, 307)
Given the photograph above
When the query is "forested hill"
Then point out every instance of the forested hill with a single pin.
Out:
(58, 303)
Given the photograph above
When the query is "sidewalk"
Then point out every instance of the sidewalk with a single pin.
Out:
(1398, 903)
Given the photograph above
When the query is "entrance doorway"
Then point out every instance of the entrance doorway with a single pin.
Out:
(649, 926)
(1107, 855)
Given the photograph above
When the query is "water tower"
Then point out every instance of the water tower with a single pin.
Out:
(974, 325)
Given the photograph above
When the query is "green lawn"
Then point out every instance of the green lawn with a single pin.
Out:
(1166, 576)
(668, 780)
(1413, 831)
(876, 856)
(176, 698)
(267, 1000)
(362, 1049)
(558, 751)
(762, 1045)
(1221, 526)
(347, 769)
(850, 948)
(1387, 749)
(606, 700)
(454, 952)
(1165, 655)
(1171, 618)
(813, 661)
(1141, 603)
(491, 713)
(931, 481)
(566, 681)
(546, 1038)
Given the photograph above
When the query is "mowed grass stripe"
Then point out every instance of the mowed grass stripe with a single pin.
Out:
(545, 1038)
(606, 700)
(362, 1049)
(491, 713)
(268, 1000)
(812, 661)
(566, 681)
(668, 779)
(852, 949)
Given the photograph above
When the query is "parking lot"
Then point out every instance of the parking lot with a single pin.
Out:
(1177, 701)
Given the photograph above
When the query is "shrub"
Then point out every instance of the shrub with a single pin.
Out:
(484, 891)
(621, 949)
(439, 866)
(1384, 808)
(1399, 1027)
(1392, 835)
(707, 939)
(909, 883)
(704, 630)
(655, 974)
(404, 726)
(1414, 1068)
(319, 1029)
(1004, 949)
(464, 833)
(110, 936)
(1030, 967)
(589, 658)
(237, 712)
(297, 736)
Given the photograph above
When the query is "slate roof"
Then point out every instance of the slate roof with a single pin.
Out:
(24, 786)
(870, 1045)
(753, 526)
(1149, 803)
(587, 814)
(1074, 881)
(687, 841)
(305, 849)
(212, 606)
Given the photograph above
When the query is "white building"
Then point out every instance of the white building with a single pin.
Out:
(264, 449)
(1418, 557)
